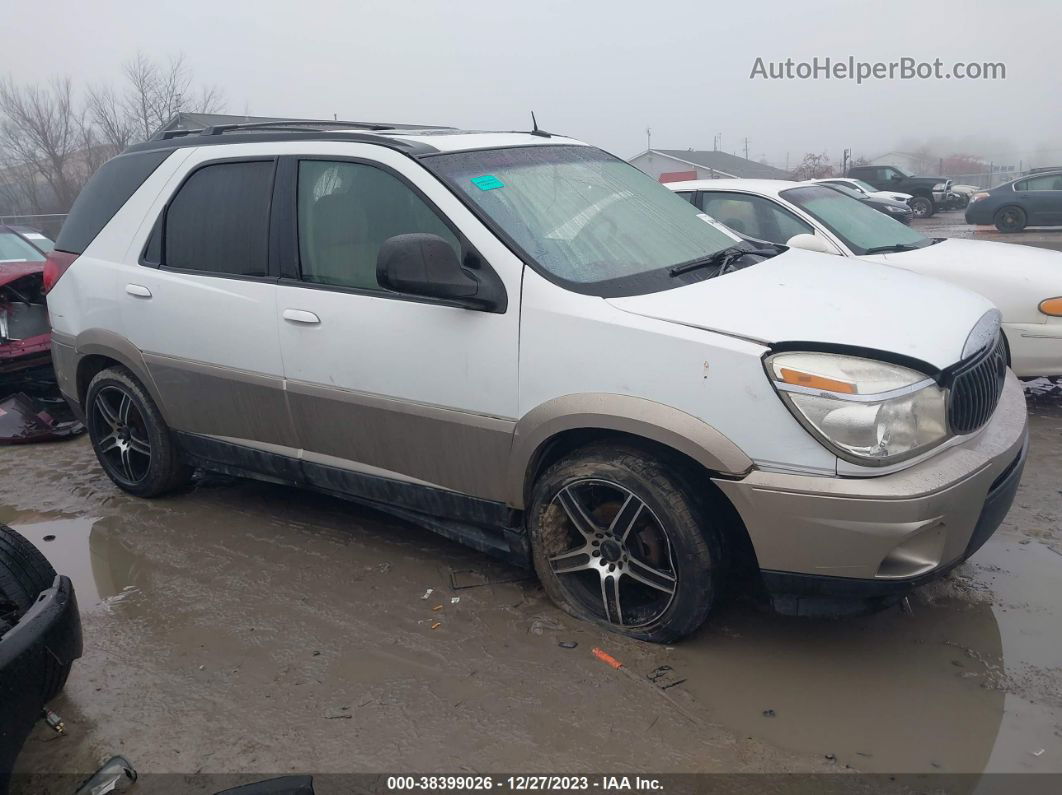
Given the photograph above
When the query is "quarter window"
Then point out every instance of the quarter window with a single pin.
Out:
(347, 211)
(753, 216)
(219, 220)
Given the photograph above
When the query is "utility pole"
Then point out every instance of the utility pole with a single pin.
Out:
(746, 147)
(648, 139)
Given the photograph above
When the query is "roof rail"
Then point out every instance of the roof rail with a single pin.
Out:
(298, 125)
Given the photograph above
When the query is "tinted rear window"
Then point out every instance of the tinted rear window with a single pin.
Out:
(105, 193)
(219, 220)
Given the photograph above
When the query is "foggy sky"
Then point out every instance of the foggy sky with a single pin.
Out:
(600, 71)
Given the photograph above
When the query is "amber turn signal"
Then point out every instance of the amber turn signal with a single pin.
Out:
(800, 378)
(1052, 307)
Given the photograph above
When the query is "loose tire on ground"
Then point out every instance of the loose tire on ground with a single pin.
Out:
(24, 573)
(132, 442)
(622, 539)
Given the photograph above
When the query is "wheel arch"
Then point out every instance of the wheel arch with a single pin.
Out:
(98, 349)
(558, 426)
(697, 450)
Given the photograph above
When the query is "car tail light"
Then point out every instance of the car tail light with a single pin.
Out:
(978, 196)
(55, 266)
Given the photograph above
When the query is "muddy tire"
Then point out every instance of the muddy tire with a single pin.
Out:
(922, 207)
(24, 573)
(1010, 219)
(134, 445)
(620, 538)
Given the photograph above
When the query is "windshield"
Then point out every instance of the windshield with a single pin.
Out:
(14, 249)
(593, 222)
(865, 186)
(859, 226)
(847, 190)
(39, 240)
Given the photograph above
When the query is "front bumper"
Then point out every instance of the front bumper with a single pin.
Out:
(881, 536)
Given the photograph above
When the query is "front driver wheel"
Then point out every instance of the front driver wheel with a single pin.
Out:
(620, 539)
(132, 442)
(922, 207)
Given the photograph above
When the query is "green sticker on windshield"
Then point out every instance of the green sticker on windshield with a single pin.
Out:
(487, 182)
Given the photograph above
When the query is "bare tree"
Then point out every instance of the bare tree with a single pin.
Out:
(40, 133)
(157, 92)
(114, 127)
(813, 166)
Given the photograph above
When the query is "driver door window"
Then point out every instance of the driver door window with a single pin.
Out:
(753, 216)
(346, 211)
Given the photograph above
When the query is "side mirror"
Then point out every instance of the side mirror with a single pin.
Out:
(809, 243)
(425, 265)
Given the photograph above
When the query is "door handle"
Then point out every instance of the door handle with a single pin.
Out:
(301, 316)
(139, 290)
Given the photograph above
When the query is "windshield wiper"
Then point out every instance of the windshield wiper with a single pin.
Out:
(722, 259)
(895, 247)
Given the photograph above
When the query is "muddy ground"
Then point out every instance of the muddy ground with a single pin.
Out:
(244, 627)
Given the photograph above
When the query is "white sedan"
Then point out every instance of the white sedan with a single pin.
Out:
(866, 188)
(1023, 281)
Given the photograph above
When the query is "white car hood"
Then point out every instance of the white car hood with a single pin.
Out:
(802, 296)
(1014, 277)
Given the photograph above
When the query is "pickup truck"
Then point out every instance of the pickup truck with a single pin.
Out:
(930, 193)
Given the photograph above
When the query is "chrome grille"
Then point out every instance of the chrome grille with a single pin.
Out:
(975, 389)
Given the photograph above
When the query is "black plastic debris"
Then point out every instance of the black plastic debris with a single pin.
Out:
(25, 419)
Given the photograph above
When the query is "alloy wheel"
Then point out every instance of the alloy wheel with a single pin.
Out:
(610, 553)
(120, 434)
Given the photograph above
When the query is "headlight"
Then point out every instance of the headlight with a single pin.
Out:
(978, 196)
(900, 210)
(941, 186)
(866, 411)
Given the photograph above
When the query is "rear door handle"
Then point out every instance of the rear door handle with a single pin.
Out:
(139, 290)
(301, 316)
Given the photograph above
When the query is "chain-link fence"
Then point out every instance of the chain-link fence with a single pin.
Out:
(46, 223)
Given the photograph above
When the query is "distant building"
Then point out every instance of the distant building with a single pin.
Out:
(673, 165)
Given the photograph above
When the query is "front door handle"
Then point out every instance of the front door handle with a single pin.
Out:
(139, 290)
(301, 316)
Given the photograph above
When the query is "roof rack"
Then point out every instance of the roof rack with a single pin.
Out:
(297, 125)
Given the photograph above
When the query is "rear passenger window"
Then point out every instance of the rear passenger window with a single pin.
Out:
(219, 220)
(346, 212)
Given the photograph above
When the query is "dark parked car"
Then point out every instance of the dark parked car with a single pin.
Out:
(929, 194)
(1034, 200)
(894, 209)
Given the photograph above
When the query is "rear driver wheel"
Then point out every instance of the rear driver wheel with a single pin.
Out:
(620, 539)
(131, 440)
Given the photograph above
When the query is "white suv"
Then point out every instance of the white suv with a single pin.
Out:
(529, 346)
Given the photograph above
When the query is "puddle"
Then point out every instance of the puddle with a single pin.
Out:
(957, 686)
(101, 569)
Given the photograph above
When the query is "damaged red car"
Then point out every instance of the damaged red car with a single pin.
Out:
(31, 408)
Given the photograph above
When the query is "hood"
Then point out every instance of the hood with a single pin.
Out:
(891, 194)
(1015, 277)
(10, 271)
(802, 296)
